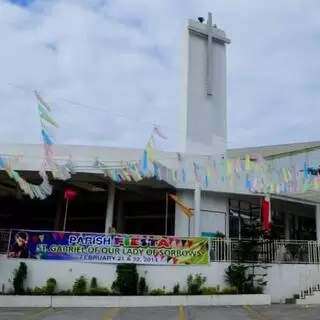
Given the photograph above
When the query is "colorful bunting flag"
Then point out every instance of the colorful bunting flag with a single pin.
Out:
(183, 207)
(40, 191)
(159, 133)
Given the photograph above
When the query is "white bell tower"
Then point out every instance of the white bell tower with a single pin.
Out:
(203, 115)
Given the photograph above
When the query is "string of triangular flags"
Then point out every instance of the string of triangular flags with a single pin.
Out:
(149, 156)
(128, 171)
(61, 172)
(237, 175)
(147, 167)
(40, 191)
(47, 124)
(249, 174)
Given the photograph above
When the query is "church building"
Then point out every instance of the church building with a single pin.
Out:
(149, 191)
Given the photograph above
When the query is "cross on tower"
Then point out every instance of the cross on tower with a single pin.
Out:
(209, 55)
(207, 31)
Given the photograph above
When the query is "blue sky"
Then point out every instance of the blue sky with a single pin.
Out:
(22, 3)
(120, 60)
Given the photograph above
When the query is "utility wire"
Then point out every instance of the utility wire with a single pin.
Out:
(119, 115)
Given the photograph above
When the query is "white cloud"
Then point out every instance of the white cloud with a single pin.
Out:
(122, 56)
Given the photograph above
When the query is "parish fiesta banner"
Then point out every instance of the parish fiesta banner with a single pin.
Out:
(108, 248)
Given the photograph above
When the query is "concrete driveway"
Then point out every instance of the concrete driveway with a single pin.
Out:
(274, 312)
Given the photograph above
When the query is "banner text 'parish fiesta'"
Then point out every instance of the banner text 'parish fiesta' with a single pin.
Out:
(108, 248)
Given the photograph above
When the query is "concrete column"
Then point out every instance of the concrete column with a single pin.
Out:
(110, 206)
(197, 210)
(120, 215)
(317, 210)
(286, 226)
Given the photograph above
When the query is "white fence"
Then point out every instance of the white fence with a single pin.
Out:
(4, 240)
(265, 251)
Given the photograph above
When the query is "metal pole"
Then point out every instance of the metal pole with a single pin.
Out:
(239, 225)
(167, 209)
(189, 226)
(197, 209)
(9, 242)
(65, 215)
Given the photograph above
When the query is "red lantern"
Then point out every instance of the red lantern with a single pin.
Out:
(265, 215)
(69, 194)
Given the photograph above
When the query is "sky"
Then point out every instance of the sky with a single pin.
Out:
(110, 69)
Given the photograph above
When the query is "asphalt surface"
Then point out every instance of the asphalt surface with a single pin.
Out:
(274, 312)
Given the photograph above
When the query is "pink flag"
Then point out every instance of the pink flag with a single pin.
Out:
(159, 133)
(260, 159)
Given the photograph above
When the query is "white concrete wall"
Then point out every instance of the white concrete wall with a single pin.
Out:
(213, 209)
(283, 280)
(136, 301)
(66, 272)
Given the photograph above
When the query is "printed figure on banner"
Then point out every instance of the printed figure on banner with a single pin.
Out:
(19, 248)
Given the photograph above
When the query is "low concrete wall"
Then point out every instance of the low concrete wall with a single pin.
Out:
(25, 301)
(137, 301)
(313, 299)
(283, 279)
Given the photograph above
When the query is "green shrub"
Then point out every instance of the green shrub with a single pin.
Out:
(64, 293)
(142, 287)
(48, 289)
(93, 283)
(51, 286)
(19, 277)
(176, 289)
(195, 284)
(209, 291)
(157, 292)
(127, 280)
(80, 286)
(236, 277)
(39, 291)
(28, 291)
(220, 235)
(246, 278)
(229, 290)
(256, 290)
(100, 291)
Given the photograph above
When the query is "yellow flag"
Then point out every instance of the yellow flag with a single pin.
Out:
(150, 152)
(209, 172)
(285, 176)
(187, 211)
(247, 162)
(229, 168)
(272, 188)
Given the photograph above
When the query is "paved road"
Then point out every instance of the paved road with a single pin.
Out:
(274, 312)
